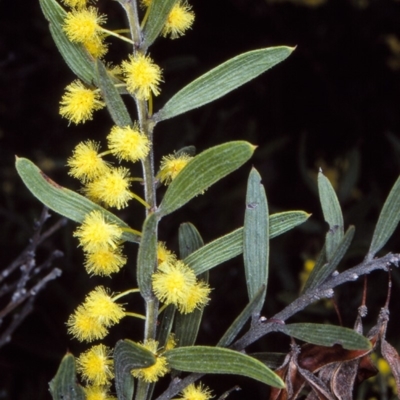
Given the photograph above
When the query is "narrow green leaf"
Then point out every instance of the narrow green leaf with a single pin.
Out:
(73, 54)
(147, 256)
(187, 325)
(321, 272)
(190, 240)
(238, 323)
(158, 14)
(216, 360)
(332, 214)
(216, 252)
(231, 245)
(61, 200)
(129, 355)
(63, 385)
(256, 237)
(204, 170)
(327, 335)
(167, 319)
(113, 99)
(388, 220)
(222, 80)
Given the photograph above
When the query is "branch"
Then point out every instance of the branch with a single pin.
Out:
(274, 324)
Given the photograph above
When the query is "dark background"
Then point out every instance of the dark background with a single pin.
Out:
(334, 103)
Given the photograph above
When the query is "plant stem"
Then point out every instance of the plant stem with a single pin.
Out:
(131, 10)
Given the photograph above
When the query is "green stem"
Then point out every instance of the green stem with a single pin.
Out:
(131, 10)
(149, 181)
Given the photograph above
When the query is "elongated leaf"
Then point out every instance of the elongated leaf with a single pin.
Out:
(167, 319)
(129, 355)
(231, 245)
(61, 200)
(237, 325)
(332, 214)
(187, 325)
(256, 237)
(327, 335)
(158, 14)
(190, 240)
(63, 385)
(349, 179)
(147, 256)
(204, 170)
(73, 54)
(222, 80)
(216, 360)
(321, 272)
(388, 220)
(113, 99)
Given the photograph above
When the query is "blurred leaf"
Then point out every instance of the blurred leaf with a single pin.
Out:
(129, 355)
(147, 256)
(63, 385)
(321, 272)
(238, 323)
(350, 177)
(231, 245)
(204, 170)
(64, 201)
(216, 360)
(74, 55)
(327, 335)
(189, 150)
(113, 99)
(158, 14)
(187, 325)
(332, 214)
(388, 220)
(256, 237)
(222, 80)
(305, 173)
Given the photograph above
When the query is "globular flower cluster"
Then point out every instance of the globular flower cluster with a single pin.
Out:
(92, 319)
(142, 76)
(193, 392)
(171, 165)
(102, 392)
(83, 25)
(155, 371)
(96, 365)
(79, 102)
(175, 283)
(101, 242)
(179, 20)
